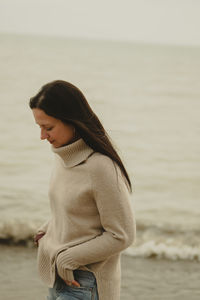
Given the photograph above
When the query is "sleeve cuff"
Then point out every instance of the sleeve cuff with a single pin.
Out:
(65, 265)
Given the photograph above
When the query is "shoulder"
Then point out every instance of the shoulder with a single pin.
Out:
(105, 173)
(100, 163)
(102, 166)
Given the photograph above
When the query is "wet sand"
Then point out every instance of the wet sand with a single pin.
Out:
(142, 279)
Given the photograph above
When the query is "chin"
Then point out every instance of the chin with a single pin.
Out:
(57, 145)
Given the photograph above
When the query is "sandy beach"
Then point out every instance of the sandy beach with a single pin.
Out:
(142, 279)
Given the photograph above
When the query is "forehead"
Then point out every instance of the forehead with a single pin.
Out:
(41, 118)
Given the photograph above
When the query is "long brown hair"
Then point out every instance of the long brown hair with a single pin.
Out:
(64, 101)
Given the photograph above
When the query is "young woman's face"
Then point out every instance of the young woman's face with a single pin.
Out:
(53, 130)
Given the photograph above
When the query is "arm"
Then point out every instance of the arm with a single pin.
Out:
(114, 205)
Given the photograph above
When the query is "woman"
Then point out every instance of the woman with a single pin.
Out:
(91, 213)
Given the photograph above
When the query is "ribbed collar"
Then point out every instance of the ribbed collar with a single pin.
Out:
(74, 153)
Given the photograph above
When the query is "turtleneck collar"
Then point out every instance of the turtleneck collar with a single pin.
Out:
(74, 153)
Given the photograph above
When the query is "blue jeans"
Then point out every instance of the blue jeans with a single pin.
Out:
(87, 290)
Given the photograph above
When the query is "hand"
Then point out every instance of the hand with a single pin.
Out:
(73, 282)
(37, 237)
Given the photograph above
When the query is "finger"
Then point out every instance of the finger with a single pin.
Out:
(74, 282)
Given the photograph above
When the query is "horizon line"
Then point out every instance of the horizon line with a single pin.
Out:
(100, 39)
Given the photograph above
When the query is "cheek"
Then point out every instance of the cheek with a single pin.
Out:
(66, 132)
(62, 135)
(67, 135)
(53, 133)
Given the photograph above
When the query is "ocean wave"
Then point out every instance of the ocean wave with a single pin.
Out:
(158, 241)
(151, 249)
(14, 232)
(166, 240)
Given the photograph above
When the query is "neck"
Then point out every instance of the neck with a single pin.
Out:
(74, 139)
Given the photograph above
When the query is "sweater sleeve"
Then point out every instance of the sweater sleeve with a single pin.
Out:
(116, 214)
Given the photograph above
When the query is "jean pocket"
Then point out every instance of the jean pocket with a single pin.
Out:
(61, 286)
(86, 279)
(75, 292)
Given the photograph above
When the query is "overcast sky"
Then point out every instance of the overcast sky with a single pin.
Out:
(162, 21)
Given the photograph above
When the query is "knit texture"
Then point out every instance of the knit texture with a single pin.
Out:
(92, 219)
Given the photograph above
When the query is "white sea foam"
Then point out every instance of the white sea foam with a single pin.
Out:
(17, 231)
(161, 250)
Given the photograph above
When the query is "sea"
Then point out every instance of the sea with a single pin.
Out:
(147, 96)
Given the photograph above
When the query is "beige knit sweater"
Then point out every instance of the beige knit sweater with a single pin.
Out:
(91, 222)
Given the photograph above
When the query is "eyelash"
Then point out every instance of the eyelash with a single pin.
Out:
(48, 129)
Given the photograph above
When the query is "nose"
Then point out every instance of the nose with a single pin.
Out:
(43, 134)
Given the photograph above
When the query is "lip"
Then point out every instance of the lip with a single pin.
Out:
(51, 142)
